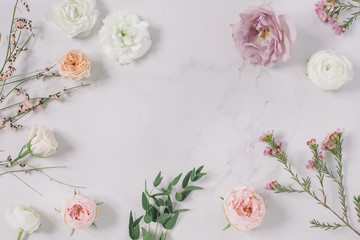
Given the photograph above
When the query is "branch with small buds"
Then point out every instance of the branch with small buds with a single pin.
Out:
(333, 144)
(329, 11)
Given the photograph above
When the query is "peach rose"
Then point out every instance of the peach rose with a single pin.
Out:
(79, 211)
(243, 208)
(74, 65)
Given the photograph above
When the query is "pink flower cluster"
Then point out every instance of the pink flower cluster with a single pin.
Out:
(272, 185)
(266, 135)
(329, 141)
(324, 10)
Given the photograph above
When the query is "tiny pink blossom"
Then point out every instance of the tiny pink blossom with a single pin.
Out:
(310, 165)
(272, 185)
(323, 16)
(267, 151)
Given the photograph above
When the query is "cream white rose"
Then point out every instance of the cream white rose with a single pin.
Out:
(75, 18)
(329, 70)
(43, 142)
(23, 218)
(124, 37)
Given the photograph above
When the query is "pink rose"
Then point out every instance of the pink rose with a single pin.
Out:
(243, 208)
(262, 37)
(79, 211)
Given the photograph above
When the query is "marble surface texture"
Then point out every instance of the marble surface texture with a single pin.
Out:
(191, 100)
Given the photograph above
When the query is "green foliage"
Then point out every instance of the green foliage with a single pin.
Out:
(357, 206)
(159, 206)
(326, 226)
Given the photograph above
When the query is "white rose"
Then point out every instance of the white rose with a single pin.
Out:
(124, 37)
(329, 70)
(75, 18)
(23, 218)
(43, 142)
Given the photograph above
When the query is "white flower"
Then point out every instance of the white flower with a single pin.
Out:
(124, 37)
(75, 18)
(23, 218)
(43, 142)
(329, 70)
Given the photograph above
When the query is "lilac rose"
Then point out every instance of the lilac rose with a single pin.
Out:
(262, 37)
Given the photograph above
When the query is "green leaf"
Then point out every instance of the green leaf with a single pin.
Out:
(147, 218)
(171, 223)
(176, 180)
(161, 202)
(158, 180)
(145, 202)
(178, 197)
(163, 218)
(185, 195)
(199, 169)
(198, 176)
(168, 202)
(181, 210)
(192, 188)
(186, 179)
(193, 175)
(147, 235)
(228, 226)
(137, 221)
(134, 229)
(153, 212)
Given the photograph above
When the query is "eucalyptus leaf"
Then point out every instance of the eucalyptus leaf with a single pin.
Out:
(199, 169)
(192, 188)
(193, 174)
(176, 180)
(171, 223)
(158, 180)
(147, 218)
(163, 218)
(181, 210)
(145, 202)
(186, 179)
(178, 197)
(147, 235)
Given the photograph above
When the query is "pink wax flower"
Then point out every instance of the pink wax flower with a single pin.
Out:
(272, 185)
(243, 208)
(261, 37)
(310, 165)
(79, 211)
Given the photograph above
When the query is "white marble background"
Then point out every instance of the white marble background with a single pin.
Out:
(190, 101)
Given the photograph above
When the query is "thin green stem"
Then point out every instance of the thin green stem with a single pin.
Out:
(22, 181)
(20, 234)
(53, 179)
(32, 169)
(11, 29)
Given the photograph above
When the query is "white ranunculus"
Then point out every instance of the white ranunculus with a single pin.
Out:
(75, 18)
(43, 142)
(329, 70)
(23, 218)
(124, 37)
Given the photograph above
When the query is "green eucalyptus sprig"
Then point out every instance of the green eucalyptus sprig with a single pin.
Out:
(332, 144)
(160, 206)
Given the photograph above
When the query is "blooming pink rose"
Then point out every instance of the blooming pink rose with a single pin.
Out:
(243, 208)
(79, 211)
(262, 37)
